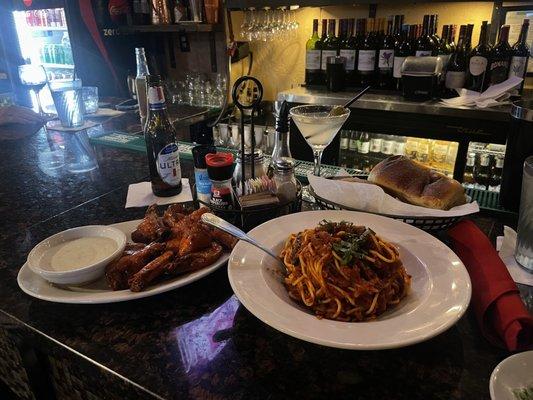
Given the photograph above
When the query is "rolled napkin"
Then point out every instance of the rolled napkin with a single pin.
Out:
(501, 314)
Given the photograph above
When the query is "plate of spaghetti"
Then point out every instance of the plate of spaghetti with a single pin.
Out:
(354, 281)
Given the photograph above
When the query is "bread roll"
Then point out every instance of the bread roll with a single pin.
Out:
(416, 184)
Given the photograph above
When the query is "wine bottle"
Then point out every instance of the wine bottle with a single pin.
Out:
(330, 45)
(312, 57)
(402, 50)
(520, 55)
(468, 38)
(500, 57)
(366, 62)
(386, 59)
(479, 61)
(321, 43)
(445, 50)
(434, 35)
(451, 38)
(424, 45)
(456, 71)
(348, 51)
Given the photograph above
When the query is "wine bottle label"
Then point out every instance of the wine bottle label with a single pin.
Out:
(375, 145)
(156, 97)
(364, 148)
(325, 55)
(455, 79)
(312, 60)
(168, 164)
(518, 66)
(478, 65)
(353, 144)
(386, 146)
(386, 59)
(423, 53)
(398, 61)
(499, 71)
(344, 143)
(349, 55)
(367, 60)
(499, 162)
(398, 148)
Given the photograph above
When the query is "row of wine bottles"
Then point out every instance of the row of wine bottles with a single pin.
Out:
(374, 50)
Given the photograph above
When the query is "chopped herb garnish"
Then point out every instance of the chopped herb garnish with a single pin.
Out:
(523, 393)
(351, 246)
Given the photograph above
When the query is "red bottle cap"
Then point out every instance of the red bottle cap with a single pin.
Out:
(219, 159)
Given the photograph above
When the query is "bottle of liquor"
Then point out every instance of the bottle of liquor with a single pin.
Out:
(424, 44)
(500, 57)
(364, 143)
(140, 83)
(161, 143)
(456, 70)
(312, 57)
(482, 172)
(330, 46)
(520, 55)
(387, 145)
(402, 50)
(349, 52)
(353, 142)
(468, 176)
(366, 61)
(479, 61)
(496, 174)
(141, 12)
(321, 45)
(386, 59)
(343, 149)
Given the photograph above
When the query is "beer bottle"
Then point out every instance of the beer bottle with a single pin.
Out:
(161, 143)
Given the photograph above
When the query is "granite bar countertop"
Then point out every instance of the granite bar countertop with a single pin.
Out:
(194, 342)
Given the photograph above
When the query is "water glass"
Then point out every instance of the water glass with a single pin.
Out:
(223, 134)
(90, 99)
(235, 137)
(524, 240)
(68, 100)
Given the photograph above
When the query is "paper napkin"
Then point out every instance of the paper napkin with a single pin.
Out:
(506, 245)
(140, 195)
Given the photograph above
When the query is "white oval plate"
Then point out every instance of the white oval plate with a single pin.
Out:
(515, 372)
(98, 292)
(440, 289)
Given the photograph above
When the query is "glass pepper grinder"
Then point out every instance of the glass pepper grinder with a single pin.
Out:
(281, 143)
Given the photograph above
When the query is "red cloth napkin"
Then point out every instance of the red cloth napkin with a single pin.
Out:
(502, 316)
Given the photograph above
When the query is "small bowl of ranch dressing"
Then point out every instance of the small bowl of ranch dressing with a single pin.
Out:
(78, 255)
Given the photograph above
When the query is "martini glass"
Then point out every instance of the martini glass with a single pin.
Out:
(319, 126)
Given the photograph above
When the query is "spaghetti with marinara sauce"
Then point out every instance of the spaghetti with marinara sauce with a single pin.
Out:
(344, 272)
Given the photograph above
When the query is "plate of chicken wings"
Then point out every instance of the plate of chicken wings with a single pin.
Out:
(164, 252)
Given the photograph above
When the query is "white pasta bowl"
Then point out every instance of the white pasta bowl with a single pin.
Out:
(39, 261)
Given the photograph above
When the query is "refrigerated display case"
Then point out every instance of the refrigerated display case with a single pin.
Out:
(43, 39)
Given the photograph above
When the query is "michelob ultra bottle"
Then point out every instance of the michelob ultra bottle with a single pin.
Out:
(161, 143)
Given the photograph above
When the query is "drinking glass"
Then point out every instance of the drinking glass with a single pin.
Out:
(90, 99)
(319, 125)
(524, 239)
(68, 100)
(33, 76)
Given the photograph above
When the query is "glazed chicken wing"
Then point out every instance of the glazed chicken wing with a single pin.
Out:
(173, 214)
(150, 272)
(150, 229)
(118, 272)
(195, 261)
